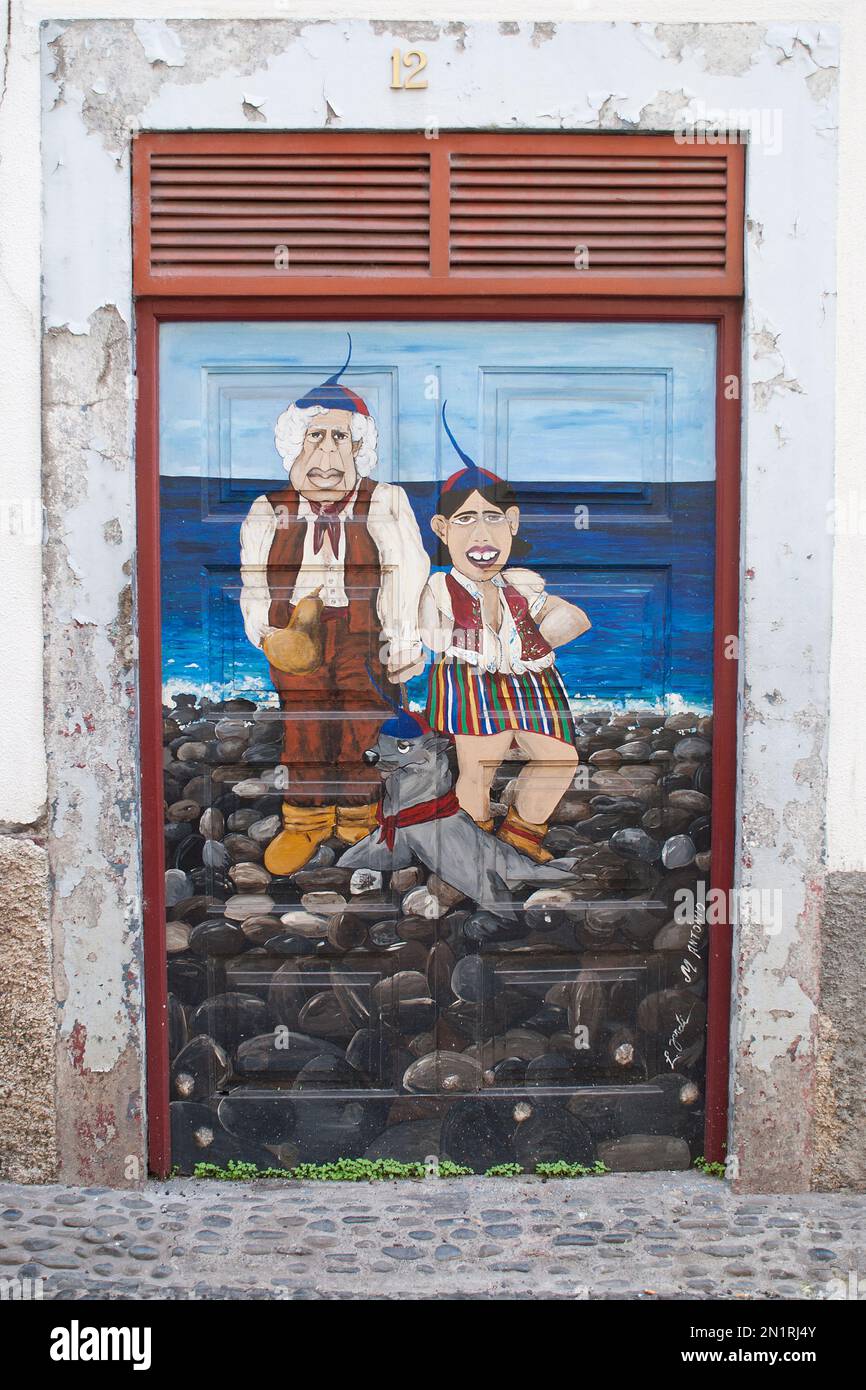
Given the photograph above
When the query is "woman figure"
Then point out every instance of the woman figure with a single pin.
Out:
(495, 684)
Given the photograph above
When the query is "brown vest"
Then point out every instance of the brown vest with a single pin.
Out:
(362, 568)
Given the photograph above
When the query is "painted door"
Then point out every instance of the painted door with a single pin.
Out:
(437, 661)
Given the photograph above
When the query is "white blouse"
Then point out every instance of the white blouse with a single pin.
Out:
(403, 561)
(497, 650)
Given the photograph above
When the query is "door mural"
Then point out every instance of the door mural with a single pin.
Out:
(437, 671)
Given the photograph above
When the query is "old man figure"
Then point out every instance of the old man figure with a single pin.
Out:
(332, 568)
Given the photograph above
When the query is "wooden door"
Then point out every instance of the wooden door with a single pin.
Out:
(367, 998)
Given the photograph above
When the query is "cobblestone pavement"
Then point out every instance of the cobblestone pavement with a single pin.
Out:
(621, 1236)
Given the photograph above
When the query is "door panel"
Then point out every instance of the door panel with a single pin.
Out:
(398, 1007)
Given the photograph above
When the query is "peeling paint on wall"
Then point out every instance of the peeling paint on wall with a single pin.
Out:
(90, 683)
(724, 50)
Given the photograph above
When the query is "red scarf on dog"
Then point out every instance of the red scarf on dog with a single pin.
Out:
(438, 809)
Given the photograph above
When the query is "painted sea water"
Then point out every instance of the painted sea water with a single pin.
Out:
(645, 580)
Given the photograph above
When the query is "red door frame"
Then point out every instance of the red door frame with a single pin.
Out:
(726, 315)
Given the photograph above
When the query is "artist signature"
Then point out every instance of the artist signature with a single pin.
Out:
(674, 1049)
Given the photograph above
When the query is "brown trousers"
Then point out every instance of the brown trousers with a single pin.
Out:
(330, 717)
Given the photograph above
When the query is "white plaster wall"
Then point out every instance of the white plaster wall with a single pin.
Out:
(22, 751)
(846, 800)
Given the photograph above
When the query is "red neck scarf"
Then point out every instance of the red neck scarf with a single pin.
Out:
(438, 809)
(328, 522)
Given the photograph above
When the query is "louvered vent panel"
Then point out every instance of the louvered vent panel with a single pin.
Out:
(635, 214)
(336, 213)
(345, 213)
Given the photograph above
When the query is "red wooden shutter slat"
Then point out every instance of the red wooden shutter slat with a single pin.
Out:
(197, 162)
(312, 258)
(598, 257)
(197, 212)
(466, 187)
(610, 239)
(293, 181)
(503, 199)
(254, 198)
(179, 240)
(591, 220)
(287, 223)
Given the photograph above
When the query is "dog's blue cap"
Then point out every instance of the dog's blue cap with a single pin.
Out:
(404, 725)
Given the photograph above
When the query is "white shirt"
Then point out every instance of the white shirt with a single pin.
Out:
(498, 650)
(325, 570)
(403, 565)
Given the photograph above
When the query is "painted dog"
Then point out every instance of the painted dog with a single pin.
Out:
(420, 817)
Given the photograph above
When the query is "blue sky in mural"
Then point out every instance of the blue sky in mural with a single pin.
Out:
(618, 416)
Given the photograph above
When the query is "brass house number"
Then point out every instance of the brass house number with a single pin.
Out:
(414, 62)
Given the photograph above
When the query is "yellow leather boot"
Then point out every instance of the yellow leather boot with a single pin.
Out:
(525, 836)
(304, 829)
(354, 822)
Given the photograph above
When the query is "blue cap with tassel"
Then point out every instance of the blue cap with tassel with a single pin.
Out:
(469, 477)
(331, 395)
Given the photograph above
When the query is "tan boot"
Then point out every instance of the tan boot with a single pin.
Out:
(304, 829)
(525, 836)
(354, 822)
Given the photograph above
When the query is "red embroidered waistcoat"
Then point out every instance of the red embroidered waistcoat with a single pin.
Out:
(468, 620)
(362, 565)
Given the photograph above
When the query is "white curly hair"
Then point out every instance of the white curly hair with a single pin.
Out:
(294, 423)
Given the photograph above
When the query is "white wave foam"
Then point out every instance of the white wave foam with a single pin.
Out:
(265, 697)
(248, 689)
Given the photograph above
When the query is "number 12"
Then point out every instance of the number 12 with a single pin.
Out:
(414, 56)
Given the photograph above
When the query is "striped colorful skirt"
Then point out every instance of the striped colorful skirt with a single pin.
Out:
(463, 700)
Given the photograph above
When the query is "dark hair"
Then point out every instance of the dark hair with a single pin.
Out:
(497, 491)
